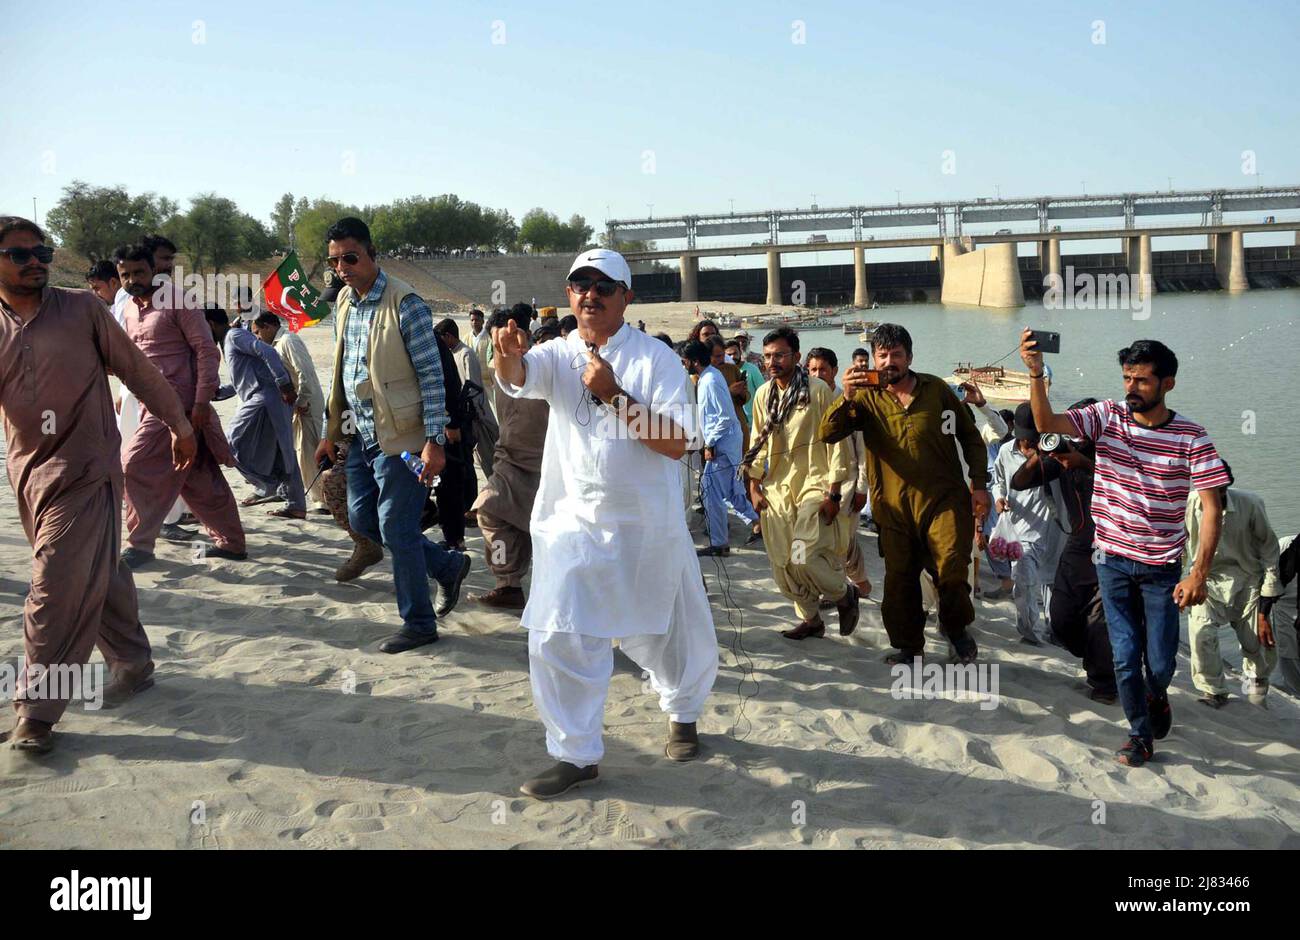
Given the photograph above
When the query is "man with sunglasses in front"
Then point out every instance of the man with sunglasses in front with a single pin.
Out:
(56, 349)
(612, 557)
(387, 397)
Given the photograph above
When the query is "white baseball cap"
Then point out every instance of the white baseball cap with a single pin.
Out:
(609, 263)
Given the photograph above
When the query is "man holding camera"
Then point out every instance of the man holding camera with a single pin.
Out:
(1075, 610)
(912, 424)
(1148, 460)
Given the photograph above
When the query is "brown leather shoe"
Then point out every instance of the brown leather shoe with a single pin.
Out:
(364, 554)
(127, 683)
(507, 598)
(32, 736)
(561, 778)
(808, 628)
(683, 743)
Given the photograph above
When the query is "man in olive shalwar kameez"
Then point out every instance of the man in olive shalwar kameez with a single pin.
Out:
(795, 482)
(56, 349)
(912, 425)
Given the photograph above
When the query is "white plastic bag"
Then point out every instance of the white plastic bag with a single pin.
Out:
(1004, 543)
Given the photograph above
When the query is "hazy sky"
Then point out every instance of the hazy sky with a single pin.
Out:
(612, 107)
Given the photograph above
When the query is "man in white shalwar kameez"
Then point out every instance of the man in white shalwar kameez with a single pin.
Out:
(612, 556)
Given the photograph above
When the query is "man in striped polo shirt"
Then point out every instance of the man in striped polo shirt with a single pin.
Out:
(1148, 459)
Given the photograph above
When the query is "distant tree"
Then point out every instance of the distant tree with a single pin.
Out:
(311, 224)
(213, 232)
(282, 220)
(93, 220)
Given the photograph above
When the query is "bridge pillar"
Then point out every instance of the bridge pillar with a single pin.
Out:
(690, 270)
(1230, 262)
(1146, 280)
(860, 296)
(1054, 257)
(774, 278)
(987, 277)
(1133, 253)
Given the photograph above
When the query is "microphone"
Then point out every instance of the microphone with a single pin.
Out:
(595, 399)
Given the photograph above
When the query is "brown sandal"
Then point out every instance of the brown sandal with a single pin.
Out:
(287, 514)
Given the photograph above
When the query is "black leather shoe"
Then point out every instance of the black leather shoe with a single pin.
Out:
(226, 554)
(136, 558)
(720, 551)
(849, 611)
(174, 533)
(401, 642)
(449, 594)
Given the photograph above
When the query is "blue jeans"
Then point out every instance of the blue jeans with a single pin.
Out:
(385, 500)
(1142, 620)
(722, 489)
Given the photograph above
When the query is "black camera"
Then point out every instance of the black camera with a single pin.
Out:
(1053, 443)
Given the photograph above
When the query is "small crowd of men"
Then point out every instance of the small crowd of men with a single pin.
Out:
(1125, 512)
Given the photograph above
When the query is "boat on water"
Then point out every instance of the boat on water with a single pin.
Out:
(860, 326)
(998, 383)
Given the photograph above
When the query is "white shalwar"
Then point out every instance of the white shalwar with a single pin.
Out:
(612, 556)
(1036, 513)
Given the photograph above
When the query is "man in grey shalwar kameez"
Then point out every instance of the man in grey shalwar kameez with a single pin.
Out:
(261, 433)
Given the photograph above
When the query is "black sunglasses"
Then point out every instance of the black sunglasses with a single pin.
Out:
(604, 286)
(20, 256)
(351, 257)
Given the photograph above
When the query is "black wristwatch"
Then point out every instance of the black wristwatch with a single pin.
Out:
(440, 439)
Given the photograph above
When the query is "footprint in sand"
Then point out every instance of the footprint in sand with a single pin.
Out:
(1019, 761)
(612, 822)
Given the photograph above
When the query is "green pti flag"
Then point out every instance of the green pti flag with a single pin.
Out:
(289, 295)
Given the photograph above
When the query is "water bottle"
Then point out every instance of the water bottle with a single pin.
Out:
(417, 465)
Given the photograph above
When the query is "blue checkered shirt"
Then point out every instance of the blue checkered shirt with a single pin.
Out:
(415, 320)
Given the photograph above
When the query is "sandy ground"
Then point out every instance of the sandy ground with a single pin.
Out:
(275, 722)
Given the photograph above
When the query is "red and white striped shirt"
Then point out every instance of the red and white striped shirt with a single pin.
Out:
(1143, 477)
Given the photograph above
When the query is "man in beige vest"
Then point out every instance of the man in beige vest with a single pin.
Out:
(387, 398)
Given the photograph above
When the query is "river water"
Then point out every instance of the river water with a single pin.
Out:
(1238, 356)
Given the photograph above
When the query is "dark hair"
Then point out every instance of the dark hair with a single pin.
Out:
(1161, 358)
(524, 310)
(732, 342)
(447, 325)
(354, 228)
(136, 253)
(784, 333)
(665, 339)
(824, 354)
(889, 335)
(714, 342)
(694, 351)
(16, 223)
(154, 242)
(568, 322)
(476, 310)
(545, 332)
(267, 319)
(103, 270)
(120, 252)
(695, 330)
(520, 318)
(211, 312)
(861, 352)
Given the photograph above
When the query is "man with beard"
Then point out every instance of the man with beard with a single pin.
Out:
(796, 482)
(1078, 621)
(480, 340)
(56, 348)
(180, 344)
(1148, 459)
(912, 425)
(613, 555)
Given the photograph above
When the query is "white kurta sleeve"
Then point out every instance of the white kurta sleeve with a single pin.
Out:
(540, 364)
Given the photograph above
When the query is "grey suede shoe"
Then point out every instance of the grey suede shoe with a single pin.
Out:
(561, 778)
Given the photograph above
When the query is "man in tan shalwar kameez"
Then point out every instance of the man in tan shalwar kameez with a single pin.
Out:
(505, 503)
(56, 349)
(796, 481)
